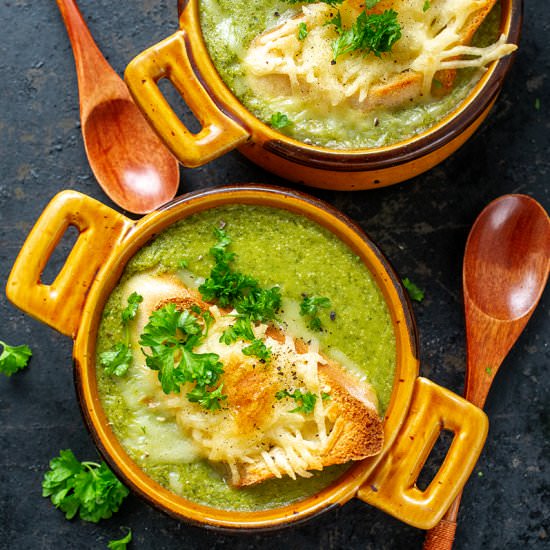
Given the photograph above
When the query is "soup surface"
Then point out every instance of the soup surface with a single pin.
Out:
(277, 248)
(230, 26)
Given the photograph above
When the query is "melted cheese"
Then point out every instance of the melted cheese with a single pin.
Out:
(252, 427)
(279, 64)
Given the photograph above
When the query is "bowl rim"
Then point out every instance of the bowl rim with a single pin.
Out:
(479, 99)
(407, 363)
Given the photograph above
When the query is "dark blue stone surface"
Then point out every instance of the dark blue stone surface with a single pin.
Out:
(421, 225)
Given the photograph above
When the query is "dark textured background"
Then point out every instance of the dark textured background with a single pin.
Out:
(421, 225)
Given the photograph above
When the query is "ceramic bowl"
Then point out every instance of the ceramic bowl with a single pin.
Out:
(418, 409)
(227, 124)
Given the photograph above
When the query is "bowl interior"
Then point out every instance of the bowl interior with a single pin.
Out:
(445, 130)
(401, 317)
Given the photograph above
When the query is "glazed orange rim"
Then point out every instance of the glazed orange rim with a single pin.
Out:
(344, 487)
(448, 128)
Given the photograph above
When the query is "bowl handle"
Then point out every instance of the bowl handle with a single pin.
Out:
(392, 485)
(60, 303)
(171, 59)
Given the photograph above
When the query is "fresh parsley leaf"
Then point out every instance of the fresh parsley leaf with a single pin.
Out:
(329, 2)
(130, 311)
(302, 31)
(241, 330)
(171, 335)
(310, 307)
(415, 292)
(86, 488)
(426, 5)
(258, 349)
(116, 361)
(375, 32)
(208, 399)
(120, 544)
(14, 358)
(184, 264)
(369, 4)
(231, 288)
(305, 401)
(279, 120)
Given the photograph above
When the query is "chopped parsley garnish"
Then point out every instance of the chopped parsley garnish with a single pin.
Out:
(329, 2)
(86, 488)
(369, 4)
(258, 349)
(302, 31)
(171, 336)
(130, 311)
(14, 358)
(310, 307)
(426, 5)
(375, 32)
(279, 120)
(230, 288)
(118, 359)
(305, 401)
(120, 544)
(415, 292)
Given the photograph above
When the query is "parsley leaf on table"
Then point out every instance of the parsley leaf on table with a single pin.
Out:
(14, 358)
(120, 544)
(415, 292)
(86, 488)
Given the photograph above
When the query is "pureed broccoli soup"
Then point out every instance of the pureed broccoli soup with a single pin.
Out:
(278, 249)
(302, 77)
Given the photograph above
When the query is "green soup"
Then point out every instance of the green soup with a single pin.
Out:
(229, 26)
(277, 248)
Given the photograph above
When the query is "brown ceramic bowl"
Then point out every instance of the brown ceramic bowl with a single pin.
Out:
(227, 124)
(418, 409)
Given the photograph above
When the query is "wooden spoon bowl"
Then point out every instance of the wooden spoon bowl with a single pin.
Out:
(506, 265)
(128, 159)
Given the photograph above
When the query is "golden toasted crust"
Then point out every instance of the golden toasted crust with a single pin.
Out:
(356, 432)
(355, 429)
(274, 71)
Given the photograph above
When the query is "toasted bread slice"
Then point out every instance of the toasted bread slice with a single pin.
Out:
(258, 435)
(431, 47)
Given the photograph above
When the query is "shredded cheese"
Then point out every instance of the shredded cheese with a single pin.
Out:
(279, 64)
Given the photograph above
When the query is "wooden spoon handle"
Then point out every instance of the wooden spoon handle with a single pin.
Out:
(92, 69)
(442, 536)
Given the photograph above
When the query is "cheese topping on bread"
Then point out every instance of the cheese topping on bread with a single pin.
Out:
(434, 43)
(256, 434)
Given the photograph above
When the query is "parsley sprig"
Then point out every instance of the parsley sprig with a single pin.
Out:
(305, 400)
(14, 358)
(253, 303)
(370, 33)
(310, 307)
(171, 335)
(85, 488)
(119, 358)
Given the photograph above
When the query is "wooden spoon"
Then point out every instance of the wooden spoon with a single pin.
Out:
(505, 270)
(128, 159)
